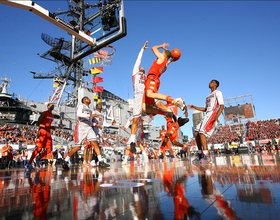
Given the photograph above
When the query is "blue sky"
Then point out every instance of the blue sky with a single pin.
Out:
(235, 42)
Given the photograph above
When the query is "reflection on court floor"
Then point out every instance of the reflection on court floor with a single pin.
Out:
(233, 187)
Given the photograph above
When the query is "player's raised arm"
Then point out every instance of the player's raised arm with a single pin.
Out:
(139, 58)
(155, 50)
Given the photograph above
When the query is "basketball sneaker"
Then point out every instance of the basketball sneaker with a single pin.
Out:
(195, 161)
(124, 162)
(30, 167)
(65, 165)
(202, 159)
(132, 147)
(179, 102)
(205, 159)
(170, 114)
(182, 121)
(92, 163)
(103, 165)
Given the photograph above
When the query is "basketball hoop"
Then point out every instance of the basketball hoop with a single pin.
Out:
(106, 54)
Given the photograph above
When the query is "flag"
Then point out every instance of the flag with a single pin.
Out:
(96, 70)
(55, 98)
(55, 84)
(94, 60)
(97, 79)
(98, 89)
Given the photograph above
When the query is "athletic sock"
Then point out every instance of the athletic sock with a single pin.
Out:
(144, 153)
(67, 158)
(200, 152)
(131, 138)
(169, 99)
(99, 158)
(125, 157)
(205, 152)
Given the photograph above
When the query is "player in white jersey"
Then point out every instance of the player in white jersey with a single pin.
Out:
(138, 79)
(213, 108)
(84, 130)
(139, 136)
(100, 122)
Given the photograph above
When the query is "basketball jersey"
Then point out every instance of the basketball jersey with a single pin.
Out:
(82, 120)
(174, 109)
(162, 134)
(158, 69)
(213, 100)
(99, 120)
(48, 119)
(138, 80)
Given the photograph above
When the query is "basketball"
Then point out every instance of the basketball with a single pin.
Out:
(175, 54)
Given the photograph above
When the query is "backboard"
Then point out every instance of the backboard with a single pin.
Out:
(106, 26)
(91, 31)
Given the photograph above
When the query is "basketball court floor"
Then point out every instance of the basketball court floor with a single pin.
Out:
(233, 187)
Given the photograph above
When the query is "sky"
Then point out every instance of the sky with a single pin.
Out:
(235, 42)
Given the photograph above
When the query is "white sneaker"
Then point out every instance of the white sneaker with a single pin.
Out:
(92, 163)
(85, 163)
(124, 162)
(179, 102)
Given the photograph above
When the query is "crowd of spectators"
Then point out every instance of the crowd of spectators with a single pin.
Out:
(262, 129)
(267, 129)
(27, 135)
(225, 134)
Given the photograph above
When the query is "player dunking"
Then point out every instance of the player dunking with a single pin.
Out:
(84, 130)
(207, 125)
(152, 85)
(138, 79)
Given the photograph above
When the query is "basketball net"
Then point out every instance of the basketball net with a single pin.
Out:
(106, 54)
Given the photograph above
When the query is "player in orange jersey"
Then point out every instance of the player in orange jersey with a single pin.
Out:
(45, 140)
(152, 85)
(162, 134)
(172, 127)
